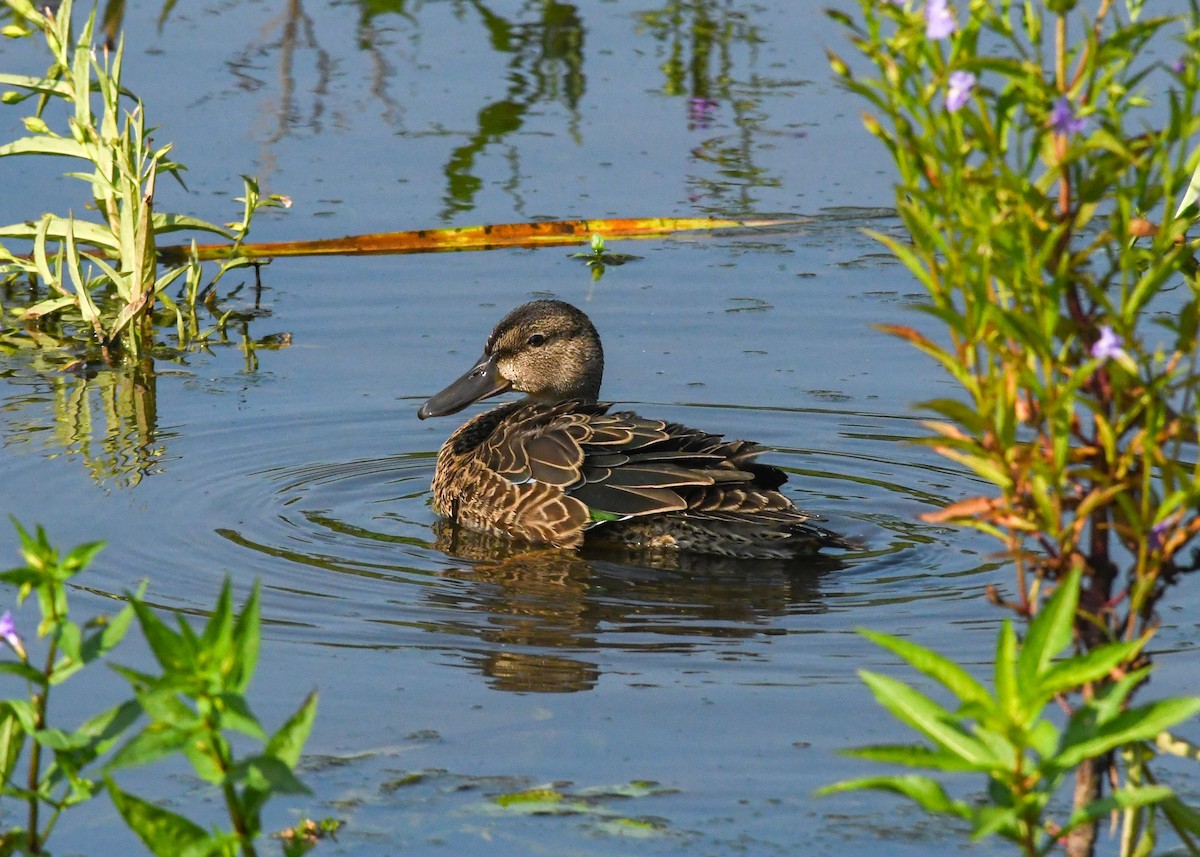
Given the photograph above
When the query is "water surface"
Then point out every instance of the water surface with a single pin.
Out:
(452, 671)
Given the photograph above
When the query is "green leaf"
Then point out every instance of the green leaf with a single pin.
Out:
(912, 755)
(206, 757)
(45, 145)
(530, 796)
(23, 710)
(236, 714)
(218, 630)
(163, 704)
(103, 641)
(112, 722)
(269, 775)
(25, 671)
(1049, 632)
(1182, 817)
(288, 742)
(285, 745)
(68, 637)
(928, 718)
(162, 831)
(1084, 738)
(246, 636)
(927, 792)
(154, 742)
(938, 667)
(80, 558)
(1126, 798)
(994, 819)
(168, 647)
(12, 739)
(1008, 691)
(57, 739)
(1075, 672)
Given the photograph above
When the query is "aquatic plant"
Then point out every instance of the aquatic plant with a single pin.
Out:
(1046, 165)
(104, 273)
(191, 708)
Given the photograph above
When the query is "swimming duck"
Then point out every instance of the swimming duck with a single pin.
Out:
(556, 465)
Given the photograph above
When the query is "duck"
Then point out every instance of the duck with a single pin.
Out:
(559, 466)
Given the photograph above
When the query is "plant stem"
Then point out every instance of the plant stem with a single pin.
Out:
(41, 700)
(233, 805)
(1081, 841)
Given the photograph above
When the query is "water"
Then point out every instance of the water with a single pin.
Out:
(450, 673)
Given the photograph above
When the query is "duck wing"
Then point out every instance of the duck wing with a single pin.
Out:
(622, 465)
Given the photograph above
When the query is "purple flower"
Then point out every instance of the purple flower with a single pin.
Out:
(8, 633)
(961, 84)
(1179, 66)
(1156, 534)
(939, 19)
(1108, 345)
(1063, 118)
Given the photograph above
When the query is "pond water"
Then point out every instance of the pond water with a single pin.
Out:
(450, 673)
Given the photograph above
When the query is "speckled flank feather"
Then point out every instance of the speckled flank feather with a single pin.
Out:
(550, 470)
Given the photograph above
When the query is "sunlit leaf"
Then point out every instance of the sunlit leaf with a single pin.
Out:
(1008, 692)
(267, 774)
(1075, 672)
(490, 237)
(928, 718)
(236, 715)
(1085, 739)
(44, 145)
(288, 741)
(912, 756)
(154, 742)
(246, 634)
(167, 646)
(530, 796)
(101, 642)
(938, 667)
(1050, 631)
(218, 631)
(1185, 819)
(1124, 798)
(927, 792)
(165, 833)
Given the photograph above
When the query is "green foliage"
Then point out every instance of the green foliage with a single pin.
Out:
(105, 272)
(1005, 735)
(191, 708)
(1047, 176)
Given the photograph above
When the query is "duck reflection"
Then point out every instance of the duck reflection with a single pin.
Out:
(570, 602)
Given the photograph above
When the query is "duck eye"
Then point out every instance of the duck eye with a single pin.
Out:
(537, 340)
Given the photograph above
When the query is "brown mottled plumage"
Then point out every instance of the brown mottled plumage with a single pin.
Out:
(556, 464)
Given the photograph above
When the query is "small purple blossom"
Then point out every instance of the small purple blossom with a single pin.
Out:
(939, 19)
(1108, 345)
(1156, 534)
(8, 633)
(1179, 66)
(1063, 118)
(959, 90)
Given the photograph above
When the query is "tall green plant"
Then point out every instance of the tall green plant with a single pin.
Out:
(192, 707)
(84, 263)
(1044, 157)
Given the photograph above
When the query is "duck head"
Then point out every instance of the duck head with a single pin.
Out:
(548, 350)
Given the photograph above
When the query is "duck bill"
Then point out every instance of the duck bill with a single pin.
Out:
(481, 381)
